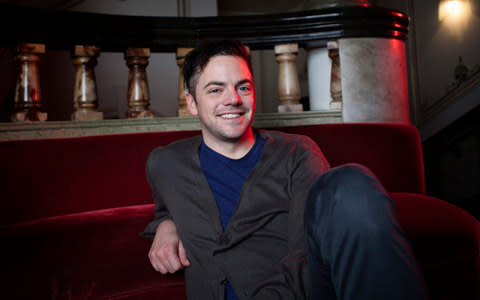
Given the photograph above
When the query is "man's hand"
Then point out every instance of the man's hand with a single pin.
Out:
(167, 254)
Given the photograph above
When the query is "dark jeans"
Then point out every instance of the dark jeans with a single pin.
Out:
(356, 249)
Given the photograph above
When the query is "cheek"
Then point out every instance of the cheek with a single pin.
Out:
(206, 108)
(252, 101)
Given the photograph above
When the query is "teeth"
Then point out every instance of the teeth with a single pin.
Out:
(230, 116)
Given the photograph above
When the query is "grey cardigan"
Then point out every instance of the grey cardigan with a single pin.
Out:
(261, 252)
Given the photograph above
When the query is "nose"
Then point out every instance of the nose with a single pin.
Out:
(232, 98)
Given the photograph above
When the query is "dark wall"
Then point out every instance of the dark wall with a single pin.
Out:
(7, 83)
(452, 163)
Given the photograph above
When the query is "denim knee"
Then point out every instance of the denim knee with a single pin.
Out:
(351, 196)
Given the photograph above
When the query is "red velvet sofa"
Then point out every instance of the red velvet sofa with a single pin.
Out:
(72, 210)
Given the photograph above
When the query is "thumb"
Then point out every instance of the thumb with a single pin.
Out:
(183, 255)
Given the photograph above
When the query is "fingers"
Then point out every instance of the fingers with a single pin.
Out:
(167, 254)
(165, 259)
(183, 255)
(155, 260)
(156, 263)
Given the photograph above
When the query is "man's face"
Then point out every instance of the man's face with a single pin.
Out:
(225, 99)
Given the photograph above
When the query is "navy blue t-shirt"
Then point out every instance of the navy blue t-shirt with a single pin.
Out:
(226, 177)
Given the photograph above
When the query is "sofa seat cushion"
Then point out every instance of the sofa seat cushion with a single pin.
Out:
(90, 255)
(445, 240)
(100, 255)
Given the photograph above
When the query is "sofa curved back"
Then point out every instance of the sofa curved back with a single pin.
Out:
(52, 177)
(392, 151)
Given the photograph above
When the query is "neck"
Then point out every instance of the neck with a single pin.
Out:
(233, 149)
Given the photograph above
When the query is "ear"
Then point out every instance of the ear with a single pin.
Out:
(191, 104)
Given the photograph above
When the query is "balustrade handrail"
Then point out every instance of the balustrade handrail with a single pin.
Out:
(65, 29)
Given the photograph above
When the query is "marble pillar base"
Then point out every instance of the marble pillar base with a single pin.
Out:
(29, 117)
(374, 80)
(87, 115)
(183, 112)
(335, 106)
(282, 108)
(144, 114)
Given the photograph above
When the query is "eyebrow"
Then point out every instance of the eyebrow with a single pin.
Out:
(221, 83)
(243, 81)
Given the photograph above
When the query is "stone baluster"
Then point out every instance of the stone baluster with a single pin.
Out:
(27, 90)
(182, 104)
(335, 77)
(138, 93)
(288, 84)
(85, 99)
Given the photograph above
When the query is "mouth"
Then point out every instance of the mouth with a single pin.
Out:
(231, 115)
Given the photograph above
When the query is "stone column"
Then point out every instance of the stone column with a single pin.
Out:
(138, 93)
(335, 77)
(288, 85)
(374, 80)
(182, 104)
(85, 99)
(27, 90)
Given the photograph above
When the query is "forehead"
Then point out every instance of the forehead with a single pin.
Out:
(226, 67)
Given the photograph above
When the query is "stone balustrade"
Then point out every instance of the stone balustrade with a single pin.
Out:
(362, 50)
(182, 103)
(138, 93)
(85, 98)
(28, 101)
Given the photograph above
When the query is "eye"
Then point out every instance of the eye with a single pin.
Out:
(245, 89)
(214, 91)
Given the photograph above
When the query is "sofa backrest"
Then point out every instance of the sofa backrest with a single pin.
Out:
(392, 151)
(51, 177)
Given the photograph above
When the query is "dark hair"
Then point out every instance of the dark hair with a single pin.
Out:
(198, 58)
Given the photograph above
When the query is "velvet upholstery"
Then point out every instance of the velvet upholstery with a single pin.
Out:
(391, 151)
(68, 175)
(445, 240)
(71, 211)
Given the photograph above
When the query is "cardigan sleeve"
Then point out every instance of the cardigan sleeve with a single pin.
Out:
(153, 177)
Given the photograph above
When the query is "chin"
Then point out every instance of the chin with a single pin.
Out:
(235, 134)
(232, 136)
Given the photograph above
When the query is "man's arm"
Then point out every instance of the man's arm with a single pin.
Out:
(167, 254)
(154, 178)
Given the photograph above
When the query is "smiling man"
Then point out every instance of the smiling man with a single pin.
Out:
(224, 99)
(242, 210)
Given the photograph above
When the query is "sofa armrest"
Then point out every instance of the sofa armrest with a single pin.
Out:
(445, 240)
(91, 255)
